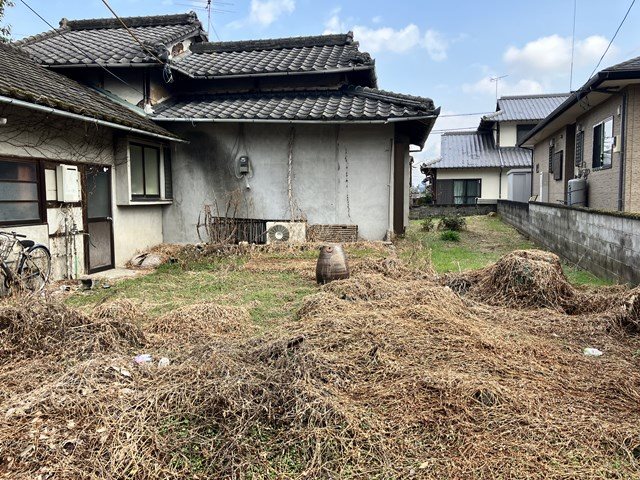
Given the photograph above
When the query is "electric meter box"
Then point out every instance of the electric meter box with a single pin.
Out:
(243, 165)
(68, 183)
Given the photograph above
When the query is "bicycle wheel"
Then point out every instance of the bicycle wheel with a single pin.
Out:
(35, 268)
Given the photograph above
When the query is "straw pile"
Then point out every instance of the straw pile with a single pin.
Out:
(378, 377)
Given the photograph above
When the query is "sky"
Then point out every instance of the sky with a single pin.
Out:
(444, 50)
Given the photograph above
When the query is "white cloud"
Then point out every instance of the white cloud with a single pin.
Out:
(523, 86)
(382, 39)
(265, 12)
(436, 45)
(553, 53)
(387, 38)
(377, 19)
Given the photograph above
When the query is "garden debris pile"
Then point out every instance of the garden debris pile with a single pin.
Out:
(387, 374)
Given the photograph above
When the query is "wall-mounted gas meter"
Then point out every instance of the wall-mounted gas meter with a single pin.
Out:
(243, 165)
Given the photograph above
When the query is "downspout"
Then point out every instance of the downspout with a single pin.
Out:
(500, 176)
(390, 210)
(623, 135)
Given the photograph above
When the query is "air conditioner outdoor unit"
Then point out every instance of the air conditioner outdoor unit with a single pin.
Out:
(286, 232)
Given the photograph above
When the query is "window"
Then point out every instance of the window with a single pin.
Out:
(145, 171)
(19, 193)
(579, 162)
(522, 132)
(557, 165)
(168, 179)
(603, 144)
(466, 192)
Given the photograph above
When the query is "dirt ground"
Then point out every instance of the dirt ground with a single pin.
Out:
(253, 371)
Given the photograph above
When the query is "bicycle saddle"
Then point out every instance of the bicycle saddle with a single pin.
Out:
(27, 243)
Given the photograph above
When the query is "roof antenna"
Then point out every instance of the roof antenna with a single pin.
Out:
(497, 80)
(208, 17)
(573, 43)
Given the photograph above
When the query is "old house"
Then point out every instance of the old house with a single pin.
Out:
(592, 136)
(487, 164)
(59, 144)
(290, 133)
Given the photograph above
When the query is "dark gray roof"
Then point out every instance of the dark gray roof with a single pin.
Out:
(478, 150)
(348, 104)
(630, 65)
(106, 41)
(23, 79)
(299, 54)
(526, 107)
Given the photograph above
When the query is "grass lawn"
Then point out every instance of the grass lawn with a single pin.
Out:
(485, 240)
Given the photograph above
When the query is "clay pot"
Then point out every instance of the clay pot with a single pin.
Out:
(332, 264)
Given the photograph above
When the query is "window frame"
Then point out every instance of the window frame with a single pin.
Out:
(466, 181)
(160, 163)
(39, 182)
(601, 165)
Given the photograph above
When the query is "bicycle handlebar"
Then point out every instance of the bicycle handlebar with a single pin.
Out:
(13, 234)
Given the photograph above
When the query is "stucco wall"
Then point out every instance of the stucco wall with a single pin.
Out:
(340, 175)
(490, 187)
(29, 134)
(508, 134)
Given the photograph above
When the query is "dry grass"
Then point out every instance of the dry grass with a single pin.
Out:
(389, 374)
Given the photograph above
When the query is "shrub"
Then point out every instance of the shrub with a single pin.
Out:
(428, 224)
(450, 236)
(452, 222)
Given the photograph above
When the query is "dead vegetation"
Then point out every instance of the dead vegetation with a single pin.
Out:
(389, 374)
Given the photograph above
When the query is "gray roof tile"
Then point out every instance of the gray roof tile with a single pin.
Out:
(106, 41)
(283, 55)
(23, 79)
(348, 103)
(478, 150)
(526, 107)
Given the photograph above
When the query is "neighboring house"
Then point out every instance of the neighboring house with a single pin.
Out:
(59, 143)
(592, 135)
(291, 129)
(486, 164)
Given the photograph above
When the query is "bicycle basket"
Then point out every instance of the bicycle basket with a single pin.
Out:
(6, 246)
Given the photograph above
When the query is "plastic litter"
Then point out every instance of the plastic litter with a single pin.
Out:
(592, 352)
(142, 358)
(164, 362)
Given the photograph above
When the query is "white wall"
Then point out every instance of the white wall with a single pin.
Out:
(508, 134)
(340, 175)
(490, 177)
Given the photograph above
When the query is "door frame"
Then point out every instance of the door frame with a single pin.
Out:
(85, 219)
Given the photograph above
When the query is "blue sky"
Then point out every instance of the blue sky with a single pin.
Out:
(443, 50)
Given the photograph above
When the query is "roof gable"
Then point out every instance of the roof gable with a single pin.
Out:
(107, 42)
(23, 79)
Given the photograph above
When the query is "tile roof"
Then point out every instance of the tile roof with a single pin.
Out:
(526, 107)
(348, 103)
(106, 41)
(478, 150)
(23, 79)
(630, 65)
(285, 55)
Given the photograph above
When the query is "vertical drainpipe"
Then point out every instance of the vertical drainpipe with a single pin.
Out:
(623, 135)
(390, 210)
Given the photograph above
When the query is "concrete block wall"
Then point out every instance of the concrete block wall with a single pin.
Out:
(607, 244)
(425, 211)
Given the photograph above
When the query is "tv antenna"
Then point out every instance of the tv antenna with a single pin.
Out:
(209, 6)
(497, 80)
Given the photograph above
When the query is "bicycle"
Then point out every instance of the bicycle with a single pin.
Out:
(33, 262)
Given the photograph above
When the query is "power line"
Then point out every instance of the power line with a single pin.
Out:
(614, 37)
(464, 114)
(57, 32)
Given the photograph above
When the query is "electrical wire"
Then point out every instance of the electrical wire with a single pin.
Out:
(57, 32)
(106, 4)
(614, 37)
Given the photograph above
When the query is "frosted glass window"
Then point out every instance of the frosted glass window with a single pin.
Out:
(19, 192)
(137, 170)
(152, 171)
(145, 171)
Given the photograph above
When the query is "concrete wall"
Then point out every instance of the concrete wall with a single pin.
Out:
(606, 244)
(340, 175)
(490, 177)
(425, 211)
(30, 135)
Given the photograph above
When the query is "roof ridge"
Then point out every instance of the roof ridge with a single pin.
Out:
(275, 43)
(535, 95)
(140, 21)
(465, 132)
(377, 93)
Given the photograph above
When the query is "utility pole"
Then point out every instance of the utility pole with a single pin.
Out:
(497, 80)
